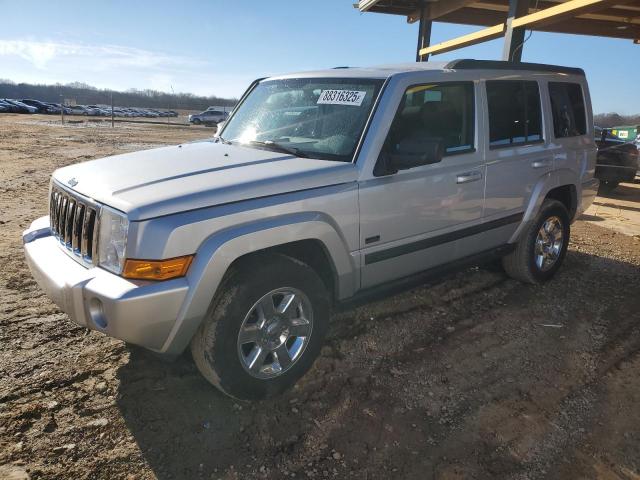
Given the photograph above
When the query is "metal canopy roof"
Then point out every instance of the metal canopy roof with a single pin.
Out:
(605, 18)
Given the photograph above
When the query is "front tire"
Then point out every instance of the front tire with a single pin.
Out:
(265, 327)
(542, 245)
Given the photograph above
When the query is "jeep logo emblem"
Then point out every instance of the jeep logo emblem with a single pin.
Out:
(72, 182)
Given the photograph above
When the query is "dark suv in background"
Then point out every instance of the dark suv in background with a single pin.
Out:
(617, 160)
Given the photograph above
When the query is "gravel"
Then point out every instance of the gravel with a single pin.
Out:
(472, 376)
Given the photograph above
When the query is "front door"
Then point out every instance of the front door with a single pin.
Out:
(411, 220)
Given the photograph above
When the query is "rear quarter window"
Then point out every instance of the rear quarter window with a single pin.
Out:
(567, 107)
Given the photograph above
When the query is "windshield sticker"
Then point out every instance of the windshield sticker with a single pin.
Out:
(341, 97)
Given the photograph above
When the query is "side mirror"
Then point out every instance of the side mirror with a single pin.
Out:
(219, 127)
(409, 153)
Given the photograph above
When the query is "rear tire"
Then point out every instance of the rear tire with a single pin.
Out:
(251, 351)
(542, 245)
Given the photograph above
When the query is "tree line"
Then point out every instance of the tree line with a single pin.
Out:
(83, 94)
(607, 120)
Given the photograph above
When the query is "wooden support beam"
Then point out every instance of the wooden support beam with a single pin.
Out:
(365, 5)
(569, 9)
(438, 9)
(541, 19)
(471, 39)
(582, 25)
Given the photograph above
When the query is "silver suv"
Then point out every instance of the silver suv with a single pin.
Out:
(210, 116)
(321, 186)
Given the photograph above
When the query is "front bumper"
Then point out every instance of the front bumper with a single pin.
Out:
(142, 313)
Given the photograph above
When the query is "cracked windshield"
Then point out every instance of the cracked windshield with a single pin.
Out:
(316, 118)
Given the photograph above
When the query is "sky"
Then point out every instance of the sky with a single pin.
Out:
(217, 47)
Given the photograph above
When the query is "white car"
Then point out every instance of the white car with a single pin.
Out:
(210, 116)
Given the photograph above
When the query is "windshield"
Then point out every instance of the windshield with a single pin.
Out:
(309, 117)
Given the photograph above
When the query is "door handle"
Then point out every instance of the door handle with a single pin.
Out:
(541, 163)
(468, 177)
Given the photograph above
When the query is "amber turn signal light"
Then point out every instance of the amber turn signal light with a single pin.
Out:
(157, 269)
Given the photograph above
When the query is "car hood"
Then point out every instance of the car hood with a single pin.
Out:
(168, 180)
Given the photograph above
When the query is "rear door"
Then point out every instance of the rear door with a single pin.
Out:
(517, 155)
(410, 220)
(572, 139)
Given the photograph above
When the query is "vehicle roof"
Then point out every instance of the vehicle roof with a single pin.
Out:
(385, 71)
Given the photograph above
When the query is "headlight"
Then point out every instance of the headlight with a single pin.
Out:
(112, 241)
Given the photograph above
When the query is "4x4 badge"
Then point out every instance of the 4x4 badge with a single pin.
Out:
(72, 182)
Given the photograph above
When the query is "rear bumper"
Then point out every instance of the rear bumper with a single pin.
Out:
(616, 173)
(588, 194)
(142, 313)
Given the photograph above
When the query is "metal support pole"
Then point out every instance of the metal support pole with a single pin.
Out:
(62, 108)
(112, 122)
(514, 37)
(424, 35)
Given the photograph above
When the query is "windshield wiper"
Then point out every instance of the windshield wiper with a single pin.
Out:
(278, 147)
(222, 140)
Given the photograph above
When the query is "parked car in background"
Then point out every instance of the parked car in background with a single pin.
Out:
(210, 116)
(99, 111)
(21, 107)
(30, 105)
(77, 110)
(57, 108)
(42, 107)
(617, 161)
(94, 111)
(239, 247)
(9, 107)
(54, 108)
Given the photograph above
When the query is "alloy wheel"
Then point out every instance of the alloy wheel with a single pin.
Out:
(275, 332)
(549, 243)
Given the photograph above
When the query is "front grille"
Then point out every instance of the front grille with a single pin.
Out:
(74, 222)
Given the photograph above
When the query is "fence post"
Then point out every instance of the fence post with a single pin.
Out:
(112, 124)
(62, 108)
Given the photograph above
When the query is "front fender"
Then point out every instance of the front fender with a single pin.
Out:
(219, 251)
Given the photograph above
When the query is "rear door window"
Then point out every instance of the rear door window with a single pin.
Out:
(567, 106)
(515, 114)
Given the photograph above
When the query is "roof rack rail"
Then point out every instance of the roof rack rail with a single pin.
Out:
(470, 64)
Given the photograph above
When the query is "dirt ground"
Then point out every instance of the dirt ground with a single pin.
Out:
(473, 376)
(619, 210)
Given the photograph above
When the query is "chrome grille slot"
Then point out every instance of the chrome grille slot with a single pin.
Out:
(74, 222)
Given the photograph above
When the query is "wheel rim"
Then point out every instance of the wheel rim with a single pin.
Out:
(275, 333)
(549, 243)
